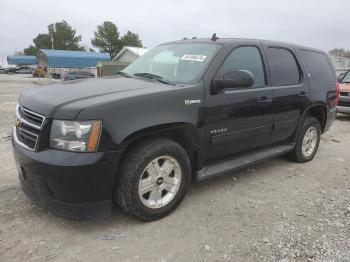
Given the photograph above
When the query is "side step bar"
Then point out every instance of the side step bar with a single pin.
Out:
(232, 164)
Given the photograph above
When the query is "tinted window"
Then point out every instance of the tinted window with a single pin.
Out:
(284, 67)
(246, 58)
(318, 66)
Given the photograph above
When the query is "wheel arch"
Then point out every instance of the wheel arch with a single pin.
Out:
(318, 111)
(186, 134)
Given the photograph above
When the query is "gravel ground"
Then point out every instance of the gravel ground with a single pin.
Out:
(274, 211)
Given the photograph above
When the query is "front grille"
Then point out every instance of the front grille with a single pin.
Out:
(28, 128)
(347, 104)
(31, 118)
(344, 93)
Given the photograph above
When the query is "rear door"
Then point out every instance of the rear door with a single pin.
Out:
(290, 91)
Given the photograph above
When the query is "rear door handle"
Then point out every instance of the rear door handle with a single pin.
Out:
(302, 94)
(264, 100)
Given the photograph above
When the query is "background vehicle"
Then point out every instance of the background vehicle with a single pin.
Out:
(344, 100)
(185, 110)
(73, 75)
(25, 70)
(56, 75)
(340, 76)
(11, 70)
(2, 70)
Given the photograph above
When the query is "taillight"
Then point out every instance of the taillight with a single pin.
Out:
(337, 93)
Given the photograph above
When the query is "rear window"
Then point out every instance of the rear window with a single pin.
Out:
(285, 70)
(318, 66)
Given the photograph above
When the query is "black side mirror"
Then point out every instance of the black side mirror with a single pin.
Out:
(233, 79)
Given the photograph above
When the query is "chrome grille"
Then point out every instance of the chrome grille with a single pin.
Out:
(30, 118)
(28, 128)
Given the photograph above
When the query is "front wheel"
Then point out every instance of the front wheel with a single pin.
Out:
(307, 141)
(153, 179)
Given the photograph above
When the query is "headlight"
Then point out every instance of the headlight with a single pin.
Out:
(82, 136)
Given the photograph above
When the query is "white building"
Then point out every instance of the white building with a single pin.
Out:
(341, 64)
(129, 54)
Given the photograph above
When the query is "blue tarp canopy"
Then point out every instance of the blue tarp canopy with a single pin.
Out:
(21, 60)
(69, 59)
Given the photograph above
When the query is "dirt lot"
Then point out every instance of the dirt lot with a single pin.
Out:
(274, 211)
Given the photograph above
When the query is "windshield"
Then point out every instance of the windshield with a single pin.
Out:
(175, 63)
(346, 79)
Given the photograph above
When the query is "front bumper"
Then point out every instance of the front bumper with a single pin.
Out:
(71, 185)
(344, 104)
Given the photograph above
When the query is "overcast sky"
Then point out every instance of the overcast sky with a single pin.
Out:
(317, 23)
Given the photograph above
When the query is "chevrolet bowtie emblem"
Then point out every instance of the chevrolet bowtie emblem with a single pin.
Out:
(18, 123)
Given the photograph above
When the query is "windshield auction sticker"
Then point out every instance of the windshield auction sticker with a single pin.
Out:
(197, 58)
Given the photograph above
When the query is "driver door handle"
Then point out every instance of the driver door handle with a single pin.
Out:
(302, 94)
(264, 100)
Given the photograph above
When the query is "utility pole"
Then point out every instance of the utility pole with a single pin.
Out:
(51, 38)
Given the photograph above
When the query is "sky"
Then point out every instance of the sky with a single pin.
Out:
(315, 23)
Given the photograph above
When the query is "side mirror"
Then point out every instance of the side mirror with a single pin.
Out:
(233, 79)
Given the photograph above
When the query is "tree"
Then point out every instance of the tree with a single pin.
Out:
(131, 39)
(60, 36)
(64, 36)
(107, 39)
(340, 52)
(31, 50)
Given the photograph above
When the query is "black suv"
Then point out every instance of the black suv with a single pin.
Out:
(186, 110)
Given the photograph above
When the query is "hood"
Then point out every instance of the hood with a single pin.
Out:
(345, 87)
(66, 99)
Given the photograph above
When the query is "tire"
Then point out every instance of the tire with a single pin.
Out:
(300, 154)
(138, 173)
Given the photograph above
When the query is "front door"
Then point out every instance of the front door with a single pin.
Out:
(239, 119)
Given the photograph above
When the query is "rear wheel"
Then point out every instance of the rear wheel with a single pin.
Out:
(307, 141)
(153, 179)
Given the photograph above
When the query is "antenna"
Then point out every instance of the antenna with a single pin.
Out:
(214, 37)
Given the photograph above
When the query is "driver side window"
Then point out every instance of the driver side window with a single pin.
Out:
(246, 58)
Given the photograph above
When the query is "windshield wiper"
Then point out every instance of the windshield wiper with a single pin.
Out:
(153, 76)
(121, 73)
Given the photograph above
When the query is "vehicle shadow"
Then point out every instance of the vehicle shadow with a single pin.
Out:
(343, 117)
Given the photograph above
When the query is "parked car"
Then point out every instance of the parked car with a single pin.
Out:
(56, 75)
(344, 100)
(25, 70)
(186, 110)
(73, 75)
(2, 70)
(11, 70)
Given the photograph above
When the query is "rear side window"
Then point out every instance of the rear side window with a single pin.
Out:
(318, 66)
(284, 67)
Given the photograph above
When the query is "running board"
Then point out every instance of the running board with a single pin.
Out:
(220, 168)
